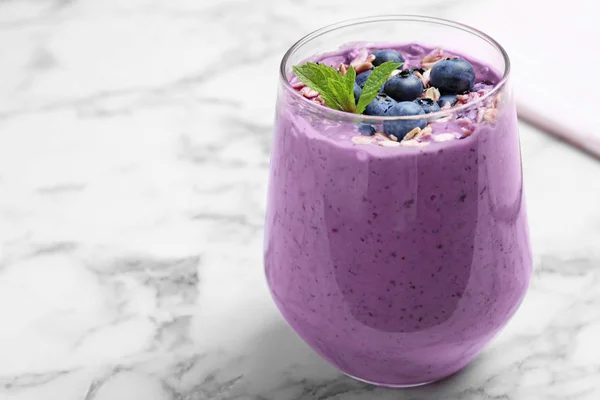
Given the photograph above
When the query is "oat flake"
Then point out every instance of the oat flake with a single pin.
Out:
(411, 134)
(363, 139)
(432, 93)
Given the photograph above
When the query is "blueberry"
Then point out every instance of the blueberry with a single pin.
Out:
(447, 98)
(367, 130)
(455, 75)
(428, 105)
(357, 92)
(400, 128)
(403, 86)
(362, 78)
(380, 105)
(382, 56)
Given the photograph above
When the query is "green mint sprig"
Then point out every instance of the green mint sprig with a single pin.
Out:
(377, 78)
(337, 90)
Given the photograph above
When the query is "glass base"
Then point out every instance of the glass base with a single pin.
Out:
(389, 385)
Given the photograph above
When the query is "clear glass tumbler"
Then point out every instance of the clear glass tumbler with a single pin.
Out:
(396, 265)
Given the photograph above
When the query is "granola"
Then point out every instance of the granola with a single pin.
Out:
(432, 93)
(445, 127)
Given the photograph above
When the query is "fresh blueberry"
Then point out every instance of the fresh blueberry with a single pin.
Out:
(428, 105)
(367, 130)
(382, 56)
(380, 105)
(403, 86)
(453, 75)
(357, 92)
(362, 78)
(447, 98)
(401, 127)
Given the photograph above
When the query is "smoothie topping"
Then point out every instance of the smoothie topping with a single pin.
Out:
(428, 104)
(419, 74)
(432, 93)
(339, 90)
(389, 143)
(425, 133)
(404, 86)
(373, 83)
(453, 75)
(380, 105)
(412, 133)
(367, 130)
(418, 133)
(382, 56)
(401, 127)
(447, 100)
(361, 78)
(363, 139)
(429, 60)
(490, 114)
(363, 61)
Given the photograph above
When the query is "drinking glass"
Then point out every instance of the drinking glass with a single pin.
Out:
(396, 265)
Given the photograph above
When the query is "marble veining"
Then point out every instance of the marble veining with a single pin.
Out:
(134, 146)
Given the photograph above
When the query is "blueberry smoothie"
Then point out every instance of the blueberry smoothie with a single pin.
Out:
(397, 248)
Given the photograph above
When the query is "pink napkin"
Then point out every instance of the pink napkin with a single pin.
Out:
(555, 53)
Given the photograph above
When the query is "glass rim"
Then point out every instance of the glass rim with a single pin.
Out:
(393, 17)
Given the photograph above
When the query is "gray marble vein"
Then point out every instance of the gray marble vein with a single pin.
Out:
(133, 173)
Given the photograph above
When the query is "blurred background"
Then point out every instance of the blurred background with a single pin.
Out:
(134, 147)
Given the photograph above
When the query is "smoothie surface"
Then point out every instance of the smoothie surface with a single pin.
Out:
(476, 106)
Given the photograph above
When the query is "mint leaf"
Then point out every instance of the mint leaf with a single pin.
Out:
(377, 78)
(349, 79)
(339, 88)
(335, 88)
(310, 76)
(317, 78)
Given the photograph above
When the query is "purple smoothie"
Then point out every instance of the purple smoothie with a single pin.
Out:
(399, 264)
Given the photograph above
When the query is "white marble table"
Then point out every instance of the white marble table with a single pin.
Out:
(133, 163)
